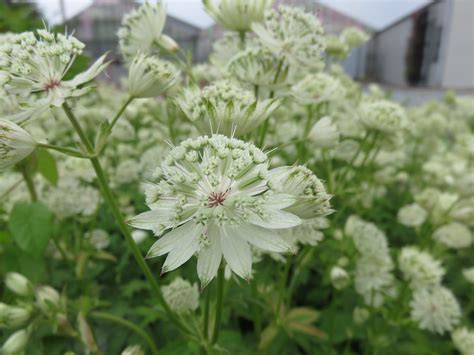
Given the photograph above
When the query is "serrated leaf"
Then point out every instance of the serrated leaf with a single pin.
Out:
(47, 166)
(302, 315)
(31, 226)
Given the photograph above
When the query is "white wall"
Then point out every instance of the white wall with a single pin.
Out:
(459, 65)
(390, 49)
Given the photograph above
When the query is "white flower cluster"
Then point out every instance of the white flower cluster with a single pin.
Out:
(383, 116)
(412, 215)
(181, 296)
(373, 276)
(225, 108)
(419, 268)
(318, 88)
(291, 33)
(463, 340)
(217, 197)
(454, 235)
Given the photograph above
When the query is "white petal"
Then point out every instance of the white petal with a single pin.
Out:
(184, 250)
(280, 201)
(151, 219)
(175, 240)
(236, 252)
(264, 239)
(86, 76)
(276, 219)
(209, 259)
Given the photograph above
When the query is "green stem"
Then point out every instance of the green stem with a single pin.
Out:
(113, 205)
(242, 36)
(282, 286)
(256, 312)
(220, 296)
(29, 183)
(207, 306)
(119, 114)
(64, 150)
(127, 324)
(354, 158)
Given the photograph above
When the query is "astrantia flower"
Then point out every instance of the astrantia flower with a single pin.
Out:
(463, 340)
(310, 197)
(18, 284)
(37, 63)
(13, 317)
(317, 88)
(324, 133)
(99, 238)
(339, 277)
(225, 108)
(15, 144)
(420, 268)
(454, 235)
(292, 34)
(16, 343)
(412, 215)
(214, 199)
(237, 15)
(48, 299)
(256, 66)
(360, 315)
(336, 47)
(307, 233)
(354, 37)
(141, 31)
(149, 76)
(435, 309)
(383, 116)
(181, 296)
(368, 238)
(469, 274)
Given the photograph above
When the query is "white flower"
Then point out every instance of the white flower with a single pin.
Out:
(181, 296)
(383, 116)
(463, 340)
(37, 63)
(99, 238)
(412, 215)
(339, 277)
(311, 198)
(150, 76)
(360, 315)
(16, 343)
(469, 274)
(237, 15)
(133, 350)
(48, 299)
(324, 133)
(317, 88)
(18, 284)
(225, 108)
(141, 31)
(336, 47)
(435, 309)
(307, 233)
(256, 66)
(453, 235)
(368, 238)
(354, 37)
(139, 235)
(420, 268)
(214, 198)
(13, 317)
(292, 34)
(15, 144)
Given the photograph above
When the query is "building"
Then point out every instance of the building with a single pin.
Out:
(433, 46)
(97, 27)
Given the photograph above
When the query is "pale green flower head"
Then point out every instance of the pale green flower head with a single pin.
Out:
(317, 88)
(181, 296)
(150, 76)
(36, 63)
(237, 15)
(292, 34)
(225, 108)
(214, 199)
(354, 37)
(463, 340)
(16, 343)
(13, 317)
(16, 144)
(141, 31)
(383, 116)
(435, 309)
(419, 268)
(336, 47)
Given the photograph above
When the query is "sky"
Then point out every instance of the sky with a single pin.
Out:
(375, 13)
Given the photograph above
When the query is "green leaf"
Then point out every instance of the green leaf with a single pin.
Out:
(47, 166)
(305, 329)
(267, 337)
(31, 226)
(302, 315)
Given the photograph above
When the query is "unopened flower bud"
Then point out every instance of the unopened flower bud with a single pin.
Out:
(360, 315)
(339, 277)
(324, 133)
(18, 284)
(168, 43)
(13, 317)
(16, 343)
(48, 299)
(133, 350)
(15, 144)
(150, 76)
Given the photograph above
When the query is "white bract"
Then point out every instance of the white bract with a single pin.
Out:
(36, 63)
(150, 76)
(215, 197)
(292, 34)
(16, 144)
(237, 15)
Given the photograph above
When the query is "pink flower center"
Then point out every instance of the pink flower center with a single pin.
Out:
(51, 84)
(217, 198)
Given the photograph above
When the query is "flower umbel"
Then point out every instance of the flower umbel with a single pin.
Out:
(214, 199)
